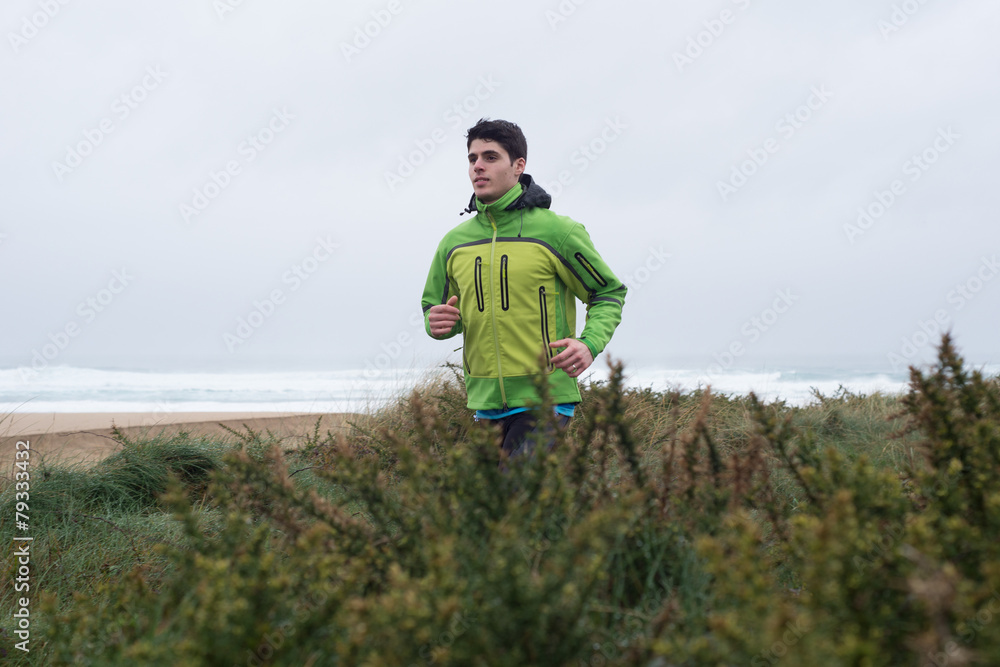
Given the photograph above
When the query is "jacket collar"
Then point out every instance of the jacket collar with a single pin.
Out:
(503, 203)
(526, 193)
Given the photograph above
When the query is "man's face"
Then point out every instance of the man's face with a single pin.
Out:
(490, 170)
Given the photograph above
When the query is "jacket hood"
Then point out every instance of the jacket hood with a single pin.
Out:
(532, 196)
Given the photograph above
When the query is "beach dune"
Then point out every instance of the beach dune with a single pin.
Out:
(86, 437)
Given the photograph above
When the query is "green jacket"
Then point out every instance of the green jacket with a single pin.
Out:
(518, 269)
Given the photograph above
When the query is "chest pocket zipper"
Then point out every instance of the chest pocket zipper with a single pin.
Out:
(504, 290)
(480, 296)
(543, 310)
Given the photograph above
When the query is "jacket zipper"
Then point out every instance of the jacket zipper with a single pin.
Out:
(493, 310)
(544, 311)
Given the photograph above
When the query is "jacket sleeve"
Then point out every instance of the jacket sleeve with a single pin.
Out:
(438, 289)
(593, 282)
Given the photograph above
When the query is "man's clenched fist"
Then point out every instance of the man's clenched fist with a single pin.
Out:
(442, 318)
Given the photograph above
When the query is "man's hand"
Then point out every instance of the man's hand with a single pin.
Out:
(575, 359)
(442, 318)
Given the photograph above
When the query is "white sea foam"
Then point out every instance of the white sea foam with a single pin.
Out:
(792, 386)
(70, 389)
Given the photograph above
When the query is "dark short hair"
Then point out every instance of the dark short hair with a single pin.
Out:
(504, 132)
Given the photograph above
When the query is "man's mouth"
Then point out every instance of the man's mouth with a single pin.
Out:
(481, 180)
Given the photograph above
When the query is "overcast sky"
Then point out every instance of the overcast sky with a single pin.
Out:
(229, 184)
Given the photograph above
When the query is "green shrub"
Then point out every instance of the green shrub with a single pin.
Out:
(889, 569)
(662, 529)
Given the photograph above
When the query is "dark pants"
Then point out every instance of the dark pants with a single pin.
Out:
(520, 433)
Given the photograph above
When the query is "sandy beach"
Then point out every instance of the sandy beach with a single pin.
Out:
(86, 437)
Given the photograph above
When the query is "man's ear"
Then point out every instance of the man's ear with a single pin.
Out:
(519, 165)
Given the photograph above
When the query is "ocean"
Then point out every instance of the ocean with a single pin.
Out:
(70, 389)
